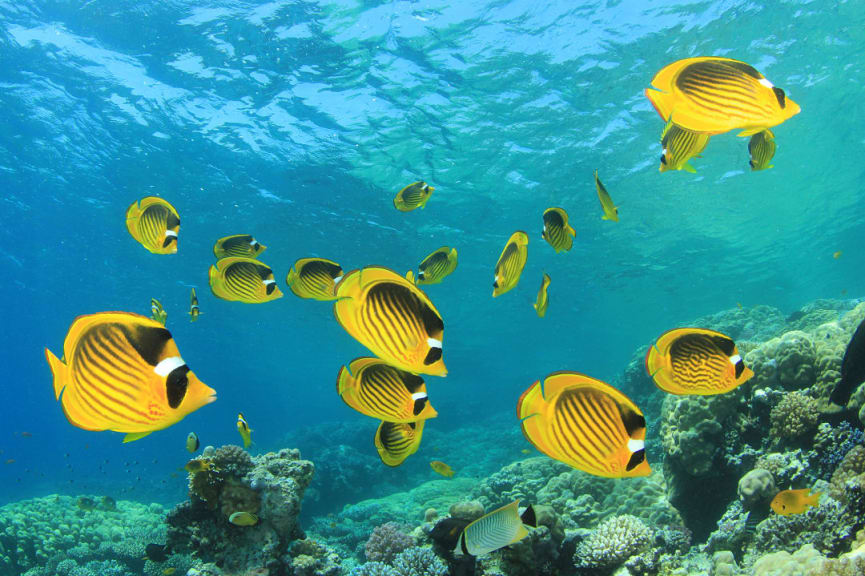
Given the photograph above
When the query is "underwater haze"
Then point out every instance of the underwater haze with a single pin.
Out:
(299, 121)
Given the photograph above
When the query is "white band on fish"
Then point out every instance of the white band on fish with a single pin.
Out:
(735, 359)
(635, 445)
(766, 83)
(266, 282)
(169, 365)
(170, 233)
(337, 279)
(433, 343)
(418, 395)
(253, 242)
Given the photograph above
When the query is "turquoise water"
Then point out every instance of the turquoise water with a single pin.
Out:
(298, 122)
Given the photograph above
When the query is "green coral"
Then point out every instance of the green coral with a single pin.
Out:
(851, 469)
(794, 416)
(692, 430)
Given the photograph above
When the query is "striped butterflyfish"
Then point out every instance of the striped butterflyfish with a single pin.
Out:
(543, 300)
(585, 423)
(393, 318)
(238, 245)
(396, 441)
(194, 310)
(557, 232)
(122, 372)
(377, 389)
(243, 280)
(511, 263)
(716, 95)
(154, 224)
(499, 528)
(435, 267)
(413, 196)
(611, 211)
(761, 149)
(678, 145)
(157, 312)
(314, 278)
(696, 361)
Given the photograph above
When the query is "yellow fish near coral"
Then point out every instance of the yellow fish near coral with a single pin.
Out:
(761, 148)
(122, 372)
(242, 279)
(585, 423)
(611, 211)
(435, 267)
(238, 245)
(440, 467)
(154, 224)
(511, 263)
(314, 278)
(716, 95)
(543, 300)
(157, 312)
(243, 519)
(244, 430)
(197, 465)
(397, 441)
(192, 443)
(788, 502)
(393, 318)
(557, 232)
(696, 361)
(680, 145)
(377, 389)
(413, 196)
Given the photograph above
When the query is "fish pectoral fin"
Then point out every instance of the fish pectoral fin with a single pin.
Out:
(688, 168)
(133, 436)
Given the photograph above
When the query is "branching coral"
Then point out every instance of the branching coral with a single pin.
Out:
(615, 540)
(386, 541)
(851, 469)
(823, 526)
(419, 562)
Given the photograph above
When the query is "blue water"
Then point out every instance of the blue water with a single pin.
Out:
(298, 122)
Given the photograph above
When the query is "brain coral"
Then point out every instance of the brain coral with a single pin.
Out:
(785, 362)
(615, 540)
(794, 416)
(756, 486)
(692, 429)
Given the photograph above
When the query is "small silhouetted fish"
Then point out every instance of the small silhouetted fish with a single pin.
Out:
(156, 552)
(108, 503)
(852, 368)
(86, 503)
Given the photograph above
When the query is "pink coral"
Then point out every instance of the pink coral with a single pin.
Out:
(386, 541)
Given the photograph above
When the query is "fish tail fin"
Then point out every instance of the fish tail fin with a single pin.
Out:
(133, 436)
(59, 370)
(662, 102)
(688, 168)
(814, 499)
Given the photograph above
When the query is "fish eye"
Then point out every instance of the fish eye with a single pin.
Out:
(270, 288)
(663, 159)
(495, 284)
(176, 384)
(740, 367)
(433, 356)
(168, 240)
(636, 459)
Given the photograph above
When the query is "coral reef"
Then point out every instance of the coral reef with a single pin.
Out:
(56, 535)
(613, 542)
(793, 417)
(386, 541)
(271, 485)
(756, 486)
(310, 558)
(419, 562)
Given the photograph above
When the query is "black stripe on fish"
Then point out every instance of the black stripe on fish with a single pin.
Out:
(636, 459)
(148, 341)
(176, 385)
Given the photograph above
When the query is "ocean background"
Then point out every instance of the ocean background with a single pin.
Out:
(297, 122)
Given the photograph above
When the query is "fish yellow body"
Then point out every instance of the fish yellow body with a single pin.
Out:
(238, 245)
(377, 389)
(194, 310)
(154, 224)
(761, 148)
(696, 361)
(611, 211)
(435, 267)
(678, 145)
(393, 318)
(788, 502)
(542, 300)
(413, 196)
(836, 255)
(157, 312)
(314, 278)
(716, 95)
(197, 465)
(244, 430)
(397, 441)
(490, 532)
(440, 467)
(123, 372)
(585, 423)
(243, 519)
(557, 232)
(169, 571)
(242, 279)
(511, 263)
(192, 443)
